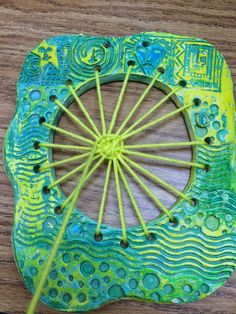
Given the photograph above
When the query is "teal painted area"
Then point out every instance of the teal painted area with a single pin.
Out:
(186, 261)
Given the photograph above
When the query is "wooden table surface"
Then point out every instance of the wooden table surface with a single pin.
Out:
(23, 24)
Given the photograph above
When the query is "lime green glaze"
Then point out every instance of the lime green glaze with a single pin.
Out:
(186, 261)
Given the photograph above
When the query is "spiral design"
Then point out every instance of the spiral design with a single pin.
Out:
(31, 69)
(87, 53)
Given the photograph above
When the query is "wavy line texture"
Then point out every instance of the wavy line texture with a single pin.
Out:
(199, 246)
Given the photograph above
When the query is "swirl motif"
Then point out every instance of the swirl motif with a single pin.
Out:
(89, 52)
(31, 70)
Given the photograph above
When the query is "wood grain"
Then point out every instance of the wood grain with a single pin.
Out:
(23, 24)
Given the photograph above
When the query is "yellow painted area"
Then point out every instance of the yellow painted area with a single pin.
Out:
(47, 54)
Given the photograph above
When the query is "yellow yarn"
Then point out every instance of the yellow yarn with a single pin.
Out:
(110, 147)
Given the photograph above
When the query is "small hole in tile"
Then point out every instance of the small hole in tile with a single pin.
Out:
(107, 44)
(197, 101)
(124, 244)
(209, 140)
(36, 169)
(183, 83)
(174, 222)
(42, 120)
(52, 98)
(98, 237)
(58, 210)
(161, 70)
(36, 145)
(151, 237)
(131, 63)
(97, 68)
(46, 190)
(145, 43)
